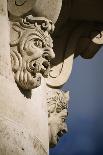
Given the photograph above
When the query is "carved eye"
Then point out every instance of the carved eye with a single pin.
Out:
(58, 110)
(63, 119)
(38, 43)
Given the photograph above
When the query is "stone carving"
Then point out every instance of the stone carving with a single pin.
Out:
(45, 8)
(57, 112)
(20, 7)
(31, 50)
(64, 62)
(84, 40)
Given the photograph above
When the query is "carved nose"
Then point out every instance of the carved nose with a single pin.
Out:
(48, 53)
(65, 129)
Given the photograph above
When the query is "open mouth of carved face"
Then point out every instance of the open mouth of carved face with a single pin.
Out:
(45, 68)
(31, 77)
(60, 133)
(41, 66)
(56, 137)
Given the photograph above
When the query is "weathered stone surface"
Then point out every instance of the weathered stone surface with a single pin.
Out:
(20, 7)
(45, 8)
(5, 61)
(57, 102)
(22, 121)
(25, 112)
(31, 50)
(49, 9)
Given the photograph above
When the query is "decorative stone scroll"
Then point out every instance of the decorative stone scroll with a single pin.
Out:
(60, 72)
(57, 102)
(84, 40)
(31, 50)
(45, 8)
(20, 7)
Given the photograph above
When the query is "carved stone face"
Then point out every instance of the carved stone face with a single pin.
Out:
(57, 112)
(57, 126)
(36, 56)
(31, 55)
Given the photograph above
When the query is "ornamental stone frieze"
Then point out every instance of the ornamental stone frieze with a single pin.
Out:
(31, 50)
(57, 102)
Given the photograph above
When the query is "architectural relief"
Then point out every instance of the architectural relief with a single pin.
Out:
(25, 54)
(31, 50)
(57, 112)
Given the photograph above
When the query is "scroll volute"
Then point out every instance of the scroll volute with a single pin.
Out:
(18, 8)
(46, 8)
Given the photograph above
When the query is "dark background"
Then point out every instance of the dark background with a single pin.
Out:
(85, 120)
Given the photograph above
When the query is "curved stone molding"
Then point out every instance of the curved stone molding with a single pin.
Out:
(57, 112)
(97, 37)
(19, 7)
(31, 50)
(49, 9)
(45, 8)
(60, 73)
(85, 40)
(90, 41)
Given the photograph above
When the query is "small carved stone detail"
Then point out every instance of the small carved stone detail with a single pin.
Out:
(19, 2)
(57, 112)
(31, 50)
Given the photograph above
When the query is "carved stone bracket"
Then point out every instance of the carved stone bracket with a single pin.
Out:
(60, 72)
(85, 40)
(31, 50)
(57, 102)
